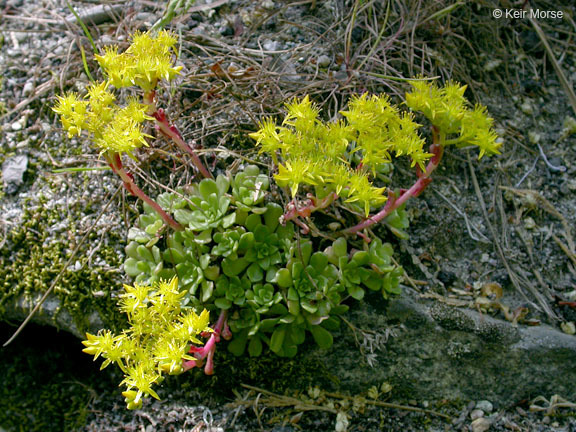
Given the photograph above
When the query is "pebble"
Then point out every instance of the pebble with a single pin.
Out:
(268, 4)
(485, 406)
(324, 61)
(527, 107)
(16, 126)
(13, 170)
(476, 414)
(28, 88)
(270, 45)
(481, 424)
(529, 223)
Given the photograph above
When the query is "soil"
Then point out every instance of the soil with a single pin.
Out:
(494, 234)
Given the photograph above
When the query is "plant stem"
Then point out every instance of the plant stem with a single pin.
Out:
(115, 163)
(208, 350)
(172, 132)
(437, 150)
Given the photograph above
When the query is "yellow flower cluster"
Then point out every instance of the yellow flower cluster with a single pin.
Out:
(115, 128)
(157, 341)
(447, 109)
(341, 156)
(143, 64)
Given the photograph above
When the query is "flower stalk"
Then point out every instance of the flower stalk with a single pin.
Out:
(395, 201)
(170, 131)
(207, 351)
(115, 163)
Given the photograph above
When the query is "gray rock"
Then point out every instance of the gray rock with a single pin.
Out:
(13, 170)
(50, 313)
(476, 414)
(444, 352)
(323, 61)
(485, 406)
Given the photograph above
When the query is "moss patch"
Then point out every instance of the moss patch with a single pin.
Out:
(36, 251)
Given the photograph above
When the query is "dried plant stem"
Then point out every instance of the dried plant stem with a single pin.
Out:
(128, 181)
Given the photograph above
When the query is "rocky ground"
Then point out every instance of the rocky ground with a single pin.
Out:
(490, 242)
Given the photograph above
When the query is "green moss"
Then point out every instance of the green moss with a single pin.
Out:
(46, 382)
(32, 258)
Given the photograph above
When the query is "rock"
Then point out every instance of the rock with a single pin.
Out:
(476, 414)
(485, 406)
(16, 126)
(50, 313)
(480, 425)
(431, 347)
(28, 88)
(323, 61)
(13, 170)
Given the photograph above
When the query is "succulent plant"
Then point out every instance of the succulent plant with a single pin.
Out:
(234, 255)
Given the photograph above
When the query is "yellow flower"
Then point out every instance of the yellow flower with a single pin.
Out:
(147, 60)
(73, 113)
(295, 172)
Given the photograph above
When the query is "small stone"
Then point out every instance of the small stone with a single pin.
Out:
(492, 64)
(323, 61)
(534, 137)
(13, 170)
(568, 328)
(485, 406)
(268, 4)
(527, 107)
(270, 45)
(484, 258)
(529, 223)
(28, 88)
(481, 424)
(16, 126)
(476, 414)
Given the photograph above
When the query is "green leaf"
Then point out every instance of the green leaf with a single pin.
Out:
(356, 291)
(183, 216)
(222, 303)
(255, 347)
(340, 309)
(228, 220)
(208, 187)
(252, 221)
(340, 247)
(238, 344)
(277, 339)
(234, 267)
(145, 253)
(207, 290)
(283, 278)
(322, 336)
(401, 234)
(319, 261)
(222, 184)
(173, 256)
(154, 228)
(272, 215)
(360, 258)
(254, 273)
(246, 241)
(131, 267)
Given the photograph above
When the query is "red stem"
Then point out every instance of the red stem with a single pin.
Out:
(417, 188)
(172, 132)
(208, 350)
(116, 164)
